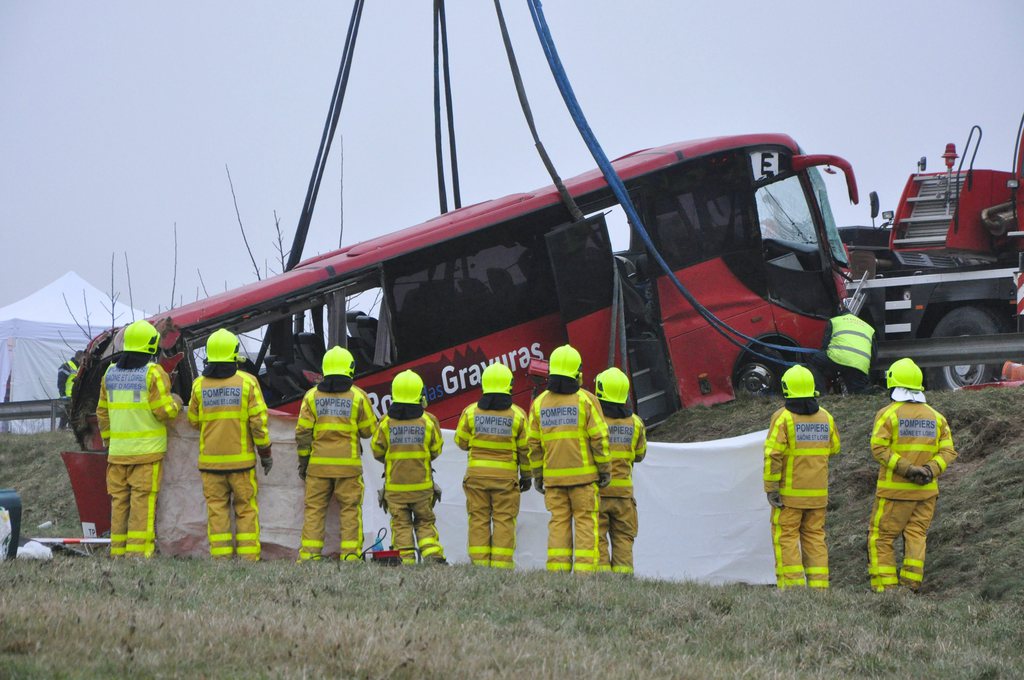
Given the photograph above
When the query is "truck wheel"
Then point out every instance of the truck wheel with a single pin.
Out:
(757, 376)
(964, 321)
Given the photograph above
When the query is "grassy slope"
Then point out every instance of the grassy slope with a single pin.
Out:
(192, 618)
(90, 617)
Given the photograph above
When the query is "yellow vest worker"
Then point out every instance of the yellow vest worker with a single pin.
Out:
(569, 460)
(912, 444)
(801, 438)
(333, 417)
(493, 431)
(135, 403)
(849, 347)
(406, 440)
(627, 444)
(227, 408)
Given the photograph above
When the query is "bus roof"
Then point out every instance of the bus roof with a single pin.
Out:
(365, 254)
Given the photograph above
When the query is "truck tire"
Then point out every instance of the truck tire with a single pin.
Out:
(958, 322)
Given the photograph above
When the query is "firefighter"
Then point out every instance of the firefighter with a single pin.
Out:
(912, 443)
(407, 439)
(333, 417)
(801, 438)
(493, 431)
(134, 406)
(569, 459)
(848, 349)
(227, 408)
(627, 443)
(67, 376)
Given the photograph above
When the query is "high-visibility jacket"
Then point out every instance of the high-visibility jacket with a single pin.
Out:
(568, 438)
(67, 374)
(134, 405)
(496, 441)
(851, 341)
(906, 434)
(796, 455)
(232, 419)
(627, 444)
(329, 428)
(406, 448)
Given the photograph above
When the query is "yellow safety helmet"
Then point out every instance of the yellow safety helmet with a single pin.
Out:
(612, 385)
(904, 373)
(407, 388)
(339, 361)
(798, 383)
(565, 361)
(497, 379)
(141, 336)
(222, 346)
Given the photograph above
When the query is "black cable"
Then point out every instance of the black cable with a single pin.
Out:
(442, 196)
(456, 193)
(333, 113)
(567, 199)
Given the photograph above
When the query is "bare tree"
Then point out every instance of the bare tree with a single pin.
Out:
(282, 255)
(128, 273)
(239, 216)
(201, 282)
(86, 333)
(174, 279)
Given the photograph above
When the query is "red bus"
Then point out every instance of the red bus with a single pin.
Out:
(743, 221)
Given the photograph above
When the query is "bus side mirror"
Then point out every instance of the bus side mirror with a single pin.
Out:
(873, 198)
(803, 161)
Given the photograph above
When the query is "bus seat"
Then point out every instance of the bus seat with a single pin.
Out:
(309, 349)
(501, 284)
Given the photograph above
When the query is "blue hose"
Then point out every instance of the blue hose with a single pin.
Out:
(619, 189)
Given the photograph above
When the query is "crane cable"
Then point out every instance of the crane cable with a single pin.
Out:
(441, 51)
(619, 189)
(618, 330)
(333, 114)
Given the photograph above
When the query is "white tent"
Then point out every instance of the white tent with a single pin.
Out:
(43, 330)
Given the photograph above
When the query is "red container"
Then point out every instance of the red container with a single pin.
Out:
(88, 473)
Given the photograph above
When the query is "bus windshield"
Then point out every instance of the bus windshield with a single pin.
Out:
(831, 231)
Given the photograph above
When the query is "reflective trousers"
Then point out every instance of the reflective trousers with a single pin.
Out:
(889, 519)
(801, 556)
(569, 506)
(493, 506)
(224, 490)
(412, 525)
(133, 490)
(319, 491)
(617, 524)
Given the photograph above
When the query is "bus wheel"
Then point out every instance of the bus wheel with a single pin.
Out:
(959, 322)
(757, 376)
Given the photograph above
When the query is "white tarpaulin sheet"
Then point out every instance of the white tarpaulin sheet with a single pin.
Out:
(703, 514)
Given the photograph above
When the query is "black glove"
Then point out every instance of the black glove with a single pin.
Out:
(538, 484)
(380, 500)
(437, 495)
(774, 499)
(603, 479)
(266, 462)
(524, 484)
(303, 466)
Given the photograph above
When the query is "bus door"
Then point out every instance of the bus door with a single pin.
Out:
(798, 271)
(581, 264)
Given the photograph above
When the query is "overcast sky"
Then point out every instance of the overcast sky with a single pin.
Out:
(117, 118)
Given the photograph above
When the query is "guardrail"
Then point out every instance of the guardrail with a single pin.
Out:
(966, 349)
(33, 410)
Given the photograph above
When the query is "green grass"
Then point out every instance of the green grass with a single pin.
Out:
(192, 618)
(89, 617)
